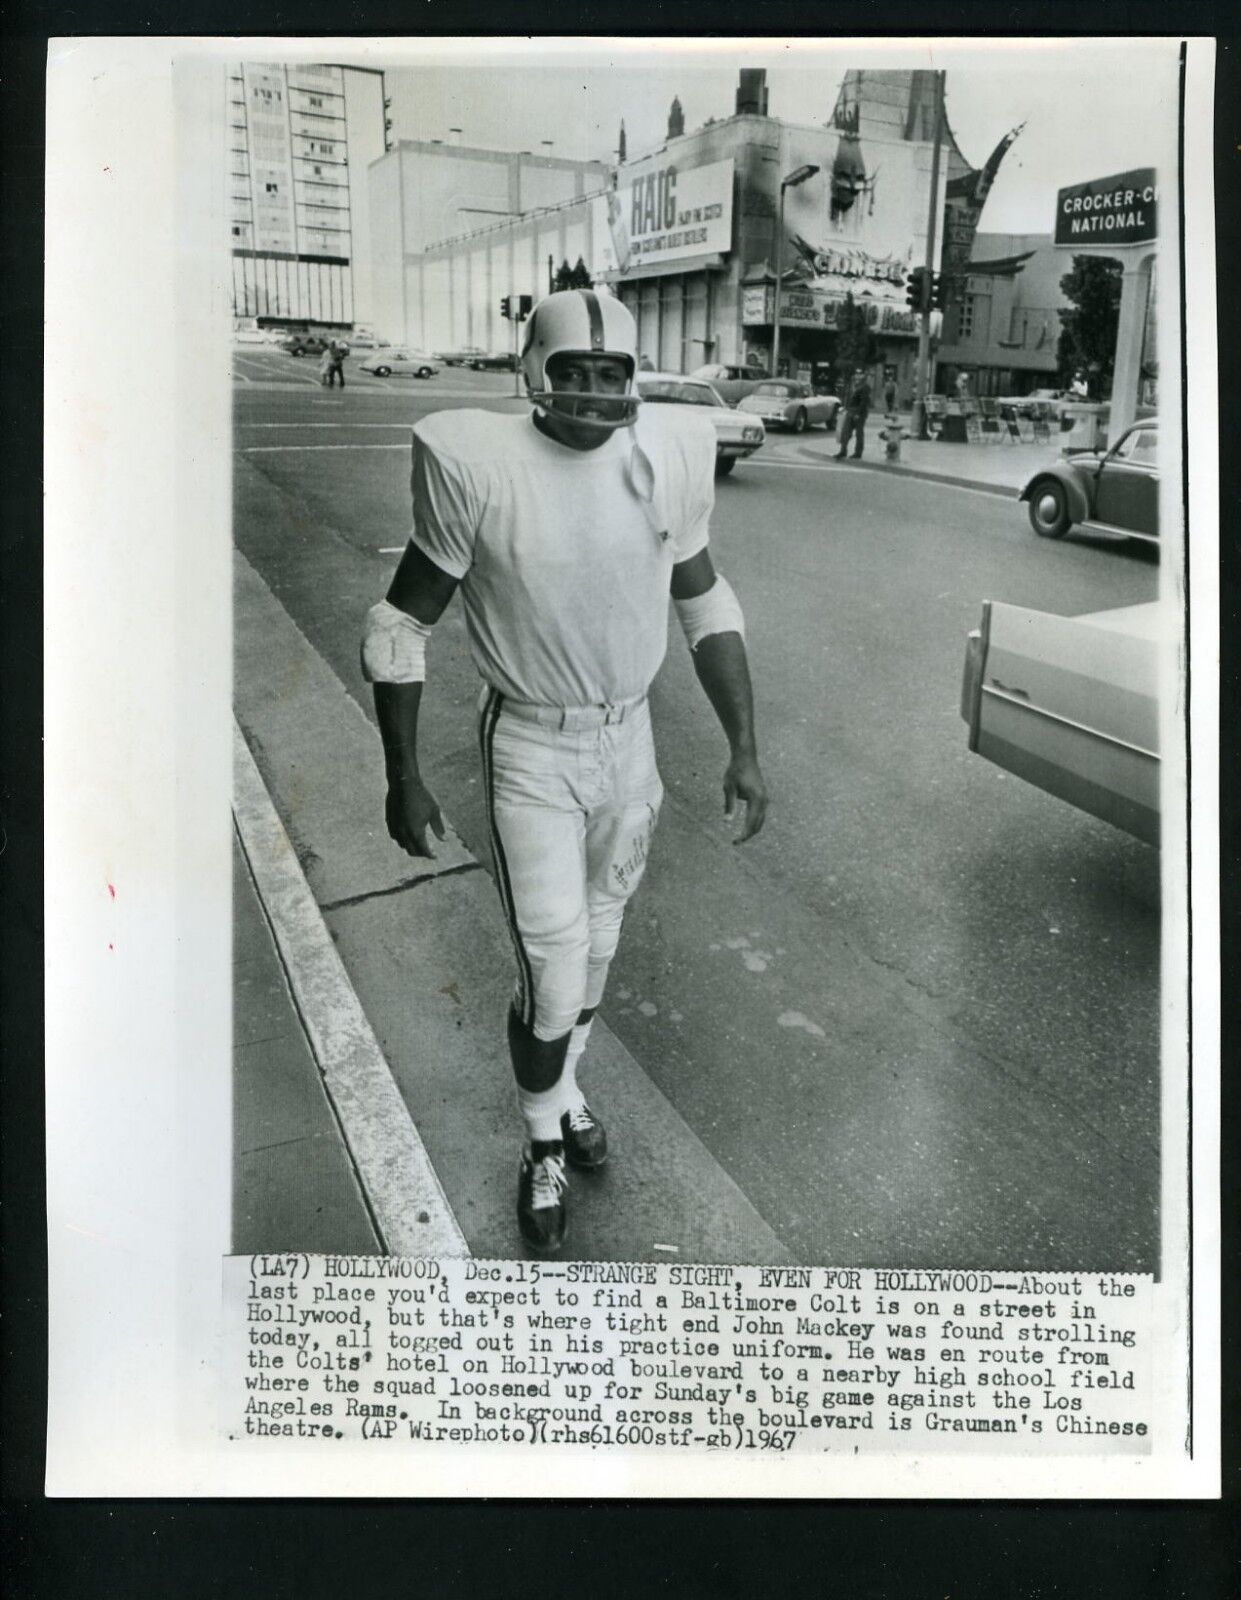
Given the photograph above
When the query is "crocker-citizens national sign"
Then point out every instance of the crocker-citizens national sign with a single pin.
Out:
(1108, 211)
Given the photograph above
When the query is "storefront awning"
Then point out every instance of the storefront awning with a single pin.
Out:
(666, 269)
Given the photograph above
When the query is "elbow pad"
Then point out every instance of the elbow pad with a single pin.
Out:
(394, 646)
(716, 611)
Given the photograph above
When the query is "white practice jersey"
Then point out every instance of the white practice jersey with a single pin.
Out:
(564, 556)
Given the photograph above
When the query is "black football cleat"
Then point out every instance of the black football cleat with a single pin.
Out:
(541, 1185)
(585, 1142)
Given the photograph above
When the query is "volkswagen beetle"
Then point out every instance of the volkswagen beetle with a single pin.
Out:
(1112, 492)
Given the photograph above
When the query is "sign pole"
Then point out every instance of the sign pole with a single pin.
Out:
(932, 221)
(516, 362)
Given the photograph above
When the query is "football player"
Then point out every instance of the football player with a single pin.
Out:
(565, 530)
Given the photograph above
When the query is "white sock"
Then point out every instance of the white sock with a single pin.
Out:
(573, 1096)
(541, 1110)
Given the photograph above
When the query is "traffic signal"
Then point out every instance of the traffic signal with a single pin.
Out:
(506, 306)
(941, 290)
(525, 305)
(917, 289)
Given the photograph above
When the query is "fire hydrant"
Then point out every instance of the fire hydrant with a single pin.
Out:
(892, 433)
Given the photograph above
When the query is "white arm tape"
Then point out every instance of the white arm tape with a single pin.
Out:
(717, 610)
(394, 646)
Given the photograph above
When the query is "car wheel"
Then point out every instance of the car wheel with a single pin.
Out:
(1049, 509)
(426, 372)
(799, 420)
(724, 465)
(297, 352)
(383, 372)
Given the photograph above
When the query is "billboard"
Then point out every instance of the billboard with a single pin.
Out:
(657, 212)
(858, 225)
(1119, 210)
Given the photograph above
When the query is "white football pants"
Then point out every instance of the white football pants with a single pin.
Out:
(573, 797)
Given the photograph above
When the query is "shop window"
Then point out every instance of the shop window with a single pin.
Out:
(965, 318)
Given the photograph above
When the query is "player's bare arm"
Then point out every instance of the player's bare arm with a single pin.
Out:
(419, 591)
(720, 662)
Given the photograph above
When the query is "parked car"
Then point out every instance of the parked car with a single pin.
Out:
(1116, 491)
(730, 383)
(498, 361)
(460, 358)
(790, 404)
(1071, 704)
(304, 344)
(262, 336)
(364, 339)
(398, 361)
(735, 436)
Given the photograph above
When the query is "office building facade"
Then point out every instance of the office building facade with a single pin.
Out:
(300, 140)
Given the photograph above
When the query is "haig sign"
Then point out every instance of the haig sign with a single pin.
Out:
(660, 213)
(1108, 211)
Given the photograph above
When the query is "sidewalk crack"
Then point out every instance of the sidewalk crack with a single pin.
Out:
(399, 888)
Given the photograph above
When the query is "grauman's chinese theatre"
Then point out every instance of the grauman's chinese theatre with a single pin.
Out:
(687, 237)
(685, 234)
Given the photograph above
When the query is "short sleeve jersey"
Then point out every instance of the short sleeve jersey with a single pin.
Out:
(564, 560)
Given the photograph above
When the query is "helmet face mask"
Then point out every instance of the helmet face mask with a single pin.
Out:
(600, 331)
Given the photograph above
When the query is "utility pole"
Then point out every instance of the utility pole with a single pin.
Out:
(932, 230)
(794, 178)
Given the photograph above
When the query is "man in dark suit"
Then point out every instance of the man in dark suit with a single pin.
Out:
(856, 409)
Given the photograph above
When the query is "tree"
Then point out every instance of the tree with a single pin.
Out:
(1088, 330)
(855, 343)
(576, 276)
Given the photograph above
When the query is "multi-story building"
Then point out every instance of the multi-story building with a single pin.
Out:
(1004, 327)
(300, 140)
(686, 235)
(454, 228)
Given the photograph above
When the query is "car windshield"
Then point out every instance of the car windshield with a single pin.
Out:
(783, 391)
(1140, 445)
(683, 394)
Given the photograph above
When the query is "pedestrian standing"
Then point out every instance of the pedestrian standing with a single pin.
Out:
(889, 395)
(325, 367)
(565, 532)
(856, 411)
(336, 352)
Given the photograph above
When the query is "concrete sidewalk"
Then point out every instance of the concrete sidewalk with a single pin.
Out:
(294, 1185)
(1001, 468)
(426, 968)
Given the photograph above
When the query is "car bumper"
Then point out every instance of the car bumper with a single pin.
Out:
(1070, 704)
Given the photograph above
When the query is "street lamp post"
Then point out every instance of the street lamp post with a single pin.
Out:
(791, 182)
(924, 323)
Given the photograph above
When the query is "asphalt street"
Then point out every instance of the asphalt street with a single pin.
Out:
(917, 1020)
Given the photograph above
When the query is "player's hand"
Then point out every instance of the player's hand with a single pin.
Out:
(413, 814)
(743, 783)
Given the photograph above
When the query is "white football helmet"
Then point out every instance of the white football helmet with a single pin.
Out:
(580, 322)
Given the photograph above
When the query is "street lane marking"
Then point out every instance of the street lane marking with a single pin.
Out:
(407, 1202)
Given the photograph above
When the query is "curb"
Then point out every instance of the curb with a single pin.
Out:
(1001, 490)
(410, 1211)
